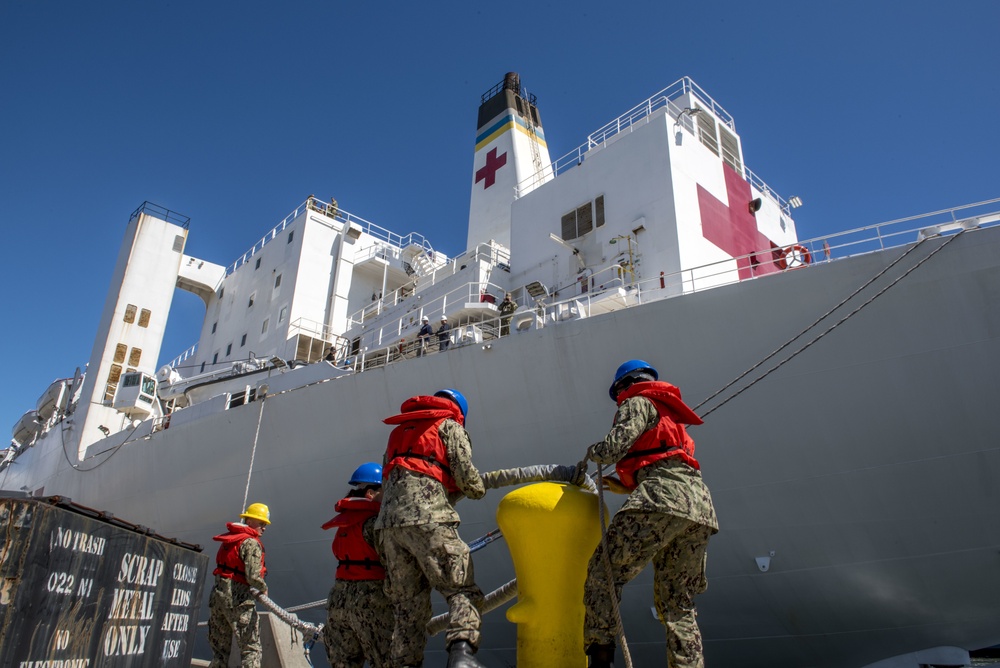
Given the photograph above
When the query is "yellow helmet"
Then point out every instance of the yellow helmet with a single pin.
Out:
(257, 511)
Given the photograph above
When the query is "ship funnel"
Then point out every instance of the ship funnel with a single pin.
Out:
(511, 159)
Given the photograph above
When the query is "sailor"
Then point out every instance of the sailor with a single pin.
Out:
(427, 469)
(506, 308)
(358, 613)
(424, 335)
(444, 334)
(239, 566)
(667, 518)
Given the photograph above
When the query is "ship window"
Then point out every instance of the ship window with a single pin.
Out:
(134, 356)
(277, 281)
(130, 380)
(282, 314)
(291, 235)
(144, 317)
(241, 398)
(148, 385)
(215, 358)
(263, 329)
(222, 291)
(229, 350)
(257, 266)
(252, 297)
(730, 149)
(120, 351)
(706, 131)
(202, 368)
(214, 326)
(115, 374)
(243, 341)
(130, 314)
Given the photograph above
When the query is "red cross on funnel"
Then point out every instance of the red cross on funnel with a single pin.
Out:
(488, 172)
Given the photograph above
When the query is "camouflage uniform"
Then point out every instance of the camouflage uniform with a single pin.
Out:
(233, 606)
(422, 551)
(506, 308)
(358, 620)
(667, 519)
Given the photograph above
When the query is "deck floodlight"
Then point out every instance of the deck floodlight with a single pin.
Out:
(755, 205)
(795, 202)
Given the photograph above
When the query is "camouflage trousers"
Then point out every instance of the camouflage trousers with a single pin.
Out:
(233, 607)
(677, 548)
(359, 621)
(417, 560)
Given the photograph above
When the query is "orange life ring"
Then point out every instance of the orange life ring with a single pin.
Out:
(794, 257)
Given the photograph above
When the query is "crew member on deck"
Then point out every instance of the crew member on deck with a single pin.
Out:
(667, 518)
(444, 334)
(359, 616)
(239, 566)
(428, 468)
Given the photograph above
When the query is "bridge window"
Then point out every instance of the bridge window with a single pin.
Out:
(129, 314)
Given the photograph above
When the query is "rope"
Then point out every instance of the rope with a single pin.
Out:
(491, 602)
(285, 616)
(615, 605)
(253, 453)
(829, 329)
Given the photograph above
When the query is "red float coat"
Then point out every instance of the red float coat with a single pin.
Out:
(356, 558)
(668, 438)
(228, 562)
(416, 444)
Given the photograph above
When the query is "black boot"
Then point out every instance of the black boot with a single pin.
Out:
(601, 656)
(462, 655)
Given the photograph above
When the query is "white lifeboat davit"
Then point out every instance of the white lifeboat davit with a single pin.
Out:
(27, 429)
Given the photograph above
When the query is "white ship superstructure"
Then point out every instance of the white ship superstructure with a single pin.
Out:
(854, 471)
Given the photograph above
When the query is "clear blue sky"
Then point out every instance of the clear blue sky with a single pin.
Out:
(233, 112)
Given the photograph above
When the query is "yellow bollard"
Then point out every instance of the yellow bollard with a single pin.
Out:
(551, 530)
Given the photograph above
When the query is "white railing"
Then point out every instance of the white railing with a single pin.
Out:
(331, 210)
(183, 357)
(494, 255)
(635, 117)
(610, 288)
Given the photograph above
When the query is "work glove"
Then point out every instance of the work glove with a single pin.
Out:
(614, 485)
(590, 452)
(579, 473)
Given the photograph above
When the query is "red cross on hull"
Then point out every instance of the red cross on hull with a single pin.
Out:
(734, 229)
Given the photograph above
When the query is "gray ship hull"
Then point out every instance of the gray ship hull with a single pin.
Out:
(865, 469)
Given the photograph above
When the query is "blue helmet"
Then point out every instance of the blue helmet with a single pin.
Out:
(631, 369)
(367, 474)
(457, 397)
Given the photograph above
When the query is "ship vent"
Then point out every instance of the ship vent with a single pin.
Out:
(730, 149)
(706, 131)
(178, 243)
(583, 219)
